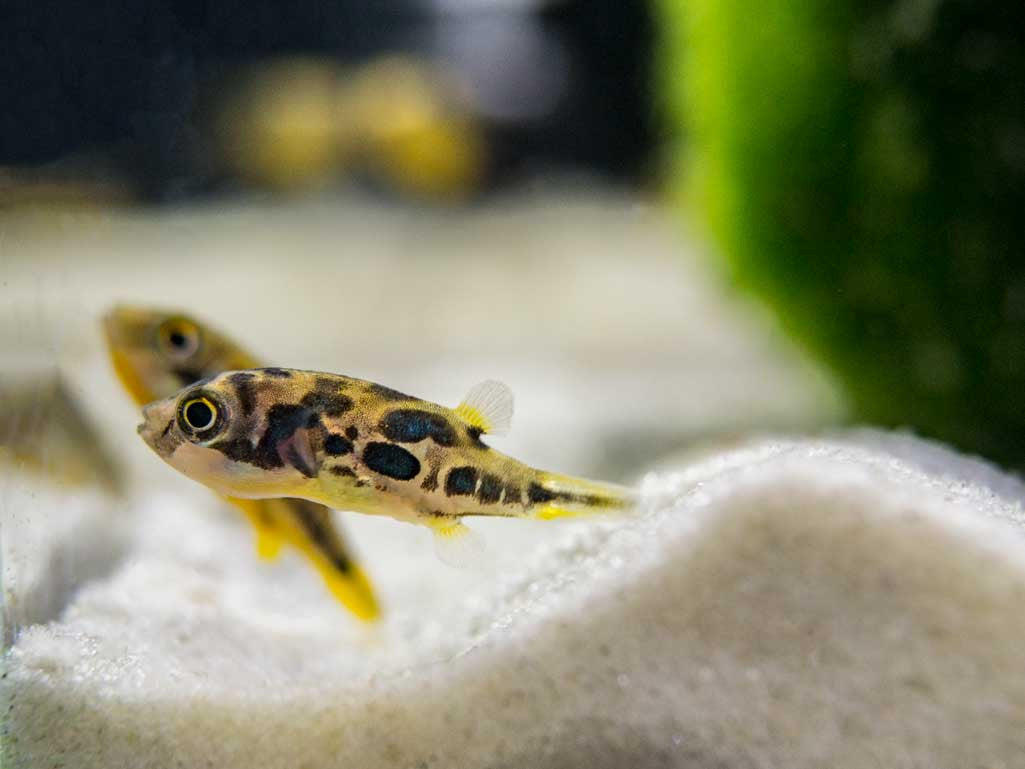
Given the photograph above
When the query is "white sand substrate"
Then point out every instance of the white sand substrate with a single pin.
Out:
(853, 601)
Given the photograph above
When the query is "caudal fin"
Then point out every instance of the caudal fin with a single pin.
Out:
(559, 496)
(308, 527)
(311, 529)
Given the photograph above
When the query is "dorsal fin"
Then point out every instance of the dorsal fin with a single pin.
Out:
(488, 407)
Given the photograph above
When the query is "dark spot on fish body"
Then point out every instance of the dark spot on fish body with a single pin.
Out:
(283, 419)
(351, 433)
(388, 394)
(490, 489)
(241, 450)
(244, 391)
(391, 461)
(594, 500)
(330, 404)
(513, 494)
(474, 433)
(461, 481)
(336, 445)
(342, 471)
(415, 425)
(430, 482)
(327, 384)
(274, 371)
(538, 494)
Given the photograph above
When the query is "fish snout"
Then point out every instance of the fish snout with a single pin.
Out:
(157, 420)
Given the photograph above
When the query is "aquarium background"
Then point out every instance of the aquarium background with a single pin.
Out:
(667, 226)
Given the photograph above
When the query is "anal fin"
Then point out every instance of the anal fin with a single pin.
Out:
(456, 544)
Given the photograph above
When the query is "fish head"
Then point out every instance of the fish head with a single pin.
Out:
(235, 437)
(157, 352)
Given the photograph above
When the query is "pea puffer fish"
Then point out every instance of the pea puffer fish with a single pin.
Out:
(156, 353)
(359, 446)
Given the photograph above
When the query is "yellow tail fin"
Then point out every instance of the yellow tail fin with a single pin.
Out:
(308, 527)
(563, 496)
(352, 589)
(268, 538)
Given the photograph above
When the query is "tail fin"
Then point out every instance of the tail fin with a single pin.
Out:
(308, 527)
(311, 529)
(560, 496)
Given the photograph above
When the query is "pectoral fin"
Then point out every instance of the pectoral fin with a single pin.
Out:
(296, 450)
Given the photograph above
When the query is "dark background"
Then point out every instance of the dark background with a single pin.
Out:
(121, 85)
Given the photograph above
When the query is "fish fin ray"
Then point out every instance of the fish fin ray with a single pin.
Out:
(488, 406)
(457, 545)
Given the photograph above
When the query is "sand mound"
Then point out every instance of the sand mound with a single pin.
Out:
(850, 602)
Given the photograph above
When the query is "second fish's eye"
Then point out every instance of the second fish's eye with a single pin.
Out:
(199, 416)
(178, 337)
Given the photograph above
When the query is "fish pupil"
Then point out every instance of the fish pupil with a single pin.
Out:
(199, 415)
(177, 339)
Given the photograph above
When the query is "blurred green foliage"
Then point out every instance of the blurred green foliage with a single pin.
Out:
(862, 167)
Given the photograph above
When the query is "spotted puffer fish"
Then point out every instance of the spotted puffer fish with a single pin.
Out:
(356, 445)
(155, 354)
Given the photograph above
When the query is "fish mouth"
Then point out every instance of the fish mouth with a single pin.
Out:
(157, 421)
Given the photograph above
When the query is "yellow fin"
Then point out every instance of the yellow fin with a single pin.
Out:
(572, 497)
(456, 544)
(268, 544)
(268, 539)
(488, 407)
(309, 527)
(550, 512)
(352, 589)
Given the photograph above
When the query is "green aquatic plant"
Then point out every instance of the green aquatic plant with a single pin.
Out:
(861, 166)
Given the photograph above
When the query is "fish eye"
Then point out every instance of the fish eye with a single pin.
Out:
(200, 417)
(178, 337)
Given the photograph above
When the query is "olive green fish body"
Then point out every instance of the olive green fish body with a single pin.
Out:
(359, 446)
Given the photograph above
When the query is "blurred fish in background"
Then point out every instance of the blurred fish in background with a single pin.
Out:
(44, 431)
